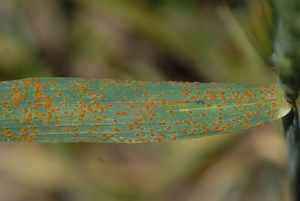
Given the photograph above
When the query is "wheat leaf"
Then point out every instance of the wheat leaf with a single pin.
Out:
(104, 110)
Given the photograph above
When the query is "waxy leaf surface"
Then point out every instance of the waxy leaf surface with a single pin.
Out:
(104, 110)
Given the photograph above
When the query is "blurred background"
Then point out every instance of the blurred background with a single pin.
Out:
(180, 40)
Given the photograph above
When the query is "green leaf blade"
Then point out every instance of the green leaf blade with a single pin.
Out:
(102, 110)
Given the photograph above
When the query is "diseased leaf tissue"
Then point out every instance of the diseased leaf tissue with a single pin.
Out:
(104, 110)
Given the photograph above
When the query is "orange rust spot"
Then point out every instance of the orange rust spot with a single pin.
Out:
(163, 101)
(259, 124)
(25, 121)
(7, 132)
(131, 106)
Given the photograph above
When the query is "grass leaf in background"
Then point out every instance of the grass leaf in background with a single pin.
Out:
(257, 19)
(103, 110)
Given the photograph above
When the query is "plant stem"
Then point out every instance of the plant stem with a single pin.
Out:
(291, 128)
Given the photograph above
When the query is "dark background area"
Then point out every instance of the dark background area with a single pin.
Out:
(192, 40)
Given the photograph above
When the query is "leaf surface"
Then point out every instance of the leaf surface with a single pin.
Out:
(104, 110)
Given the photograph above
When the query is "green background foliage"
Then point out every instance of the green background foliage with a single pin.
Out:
(148, 40)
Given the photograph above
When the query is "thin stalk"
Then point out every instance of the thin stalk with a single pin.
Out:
(291, 128)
